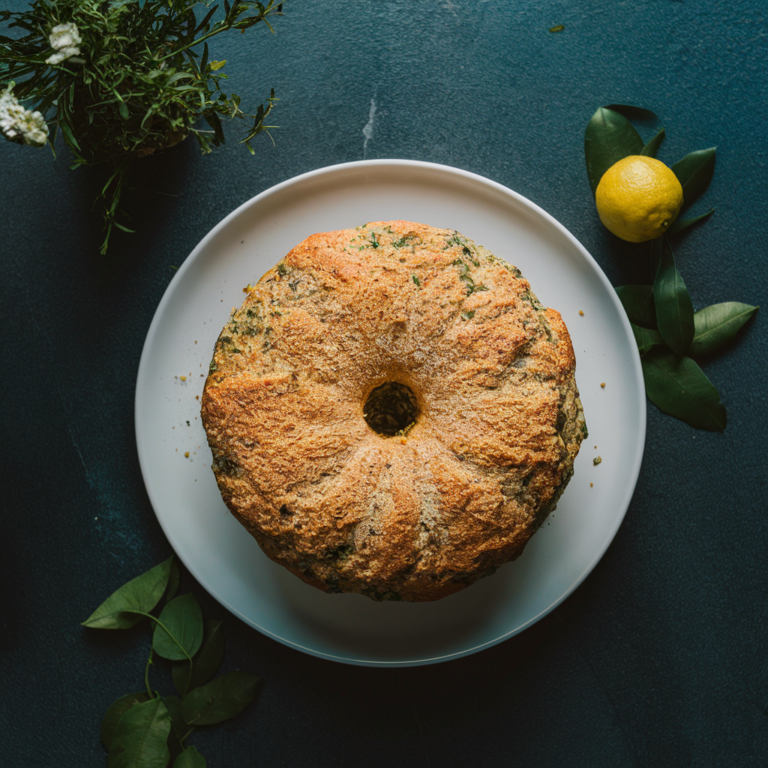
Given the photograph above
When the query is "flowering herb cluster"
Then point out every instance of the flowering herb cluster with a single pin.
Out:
(122, 79)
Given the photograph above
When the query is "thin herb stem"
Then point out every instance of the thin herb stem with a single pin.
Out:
(199, 40)
(189, 679)
(146, 674)
(224, 27)
(160, 624)
(181, 740)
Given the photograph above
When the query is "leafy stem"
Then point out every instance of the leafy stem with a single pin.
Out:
(148, 728)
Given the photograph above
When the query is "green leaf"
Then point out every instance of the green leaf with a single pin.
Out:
(646, 338)
(176, 76)
(632, 112)
(652, 147)
(115, 712)
(140, 740)
(179, 729)
(638, 303)
(215, 122)
(190, 758)
(142, 594)
(674, 310)
(204, 23)
(179, 630)
(69, 137)
(682, 224)
(173, 581)
(173, 705)
(609, 138)
(694, 172)
(219, 700)
(124, 113)
(206, 662)
(679, 387)
(716, 325)
(181, 672)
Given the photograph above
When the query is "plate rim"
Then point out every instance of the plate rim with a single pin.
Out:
(302, 178)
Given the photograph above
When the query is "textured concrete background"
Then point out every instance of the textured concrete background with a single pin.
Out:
(660, 657)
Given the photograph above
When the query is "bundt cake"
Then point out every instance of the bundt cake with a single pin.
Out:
(392, 412)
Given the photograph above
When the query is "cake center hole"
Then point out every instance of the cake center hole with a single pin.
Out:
(390, 409)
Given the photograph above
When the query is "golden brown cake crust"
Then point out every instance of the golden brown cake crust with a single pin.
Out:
(420, 514)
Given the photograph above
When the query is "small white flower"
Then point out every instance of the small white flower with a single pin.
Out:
(64, 39)
(62, 55)
(65, 36)
(21, 125)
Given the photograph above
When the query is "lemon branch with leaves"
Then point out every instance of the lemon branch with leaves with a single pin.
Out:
(121, 80)
(639, 199)
(147, 728)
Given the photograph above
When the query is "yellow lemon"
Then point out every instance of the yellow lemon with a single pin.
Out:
(638, 198)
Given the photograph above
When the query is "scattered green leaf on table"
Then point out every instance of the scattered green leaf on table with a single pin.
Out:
(716, 325)
(680, 388)
(124, 228)
(694, 172)
(674, 310)
(190, 758)
(140, 740)
(179, 630)
(116, 711)
(609, 138)
(632, 112)
(646, 338)
(144, 732)
(638, 303)
(123, 608)
(652, 147)
(680, 225)
(206, 662)
(222, 698)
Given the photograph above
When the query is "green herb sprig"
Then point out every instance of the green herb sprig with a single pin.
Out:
(670, 335)
(122, 79)
(146, 728)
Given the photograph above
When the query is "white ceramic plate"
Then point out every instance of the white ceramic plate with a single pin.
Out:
(175, 459)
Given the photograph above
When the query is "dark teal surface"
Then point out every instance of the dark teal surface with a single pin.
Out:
(661, 657)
